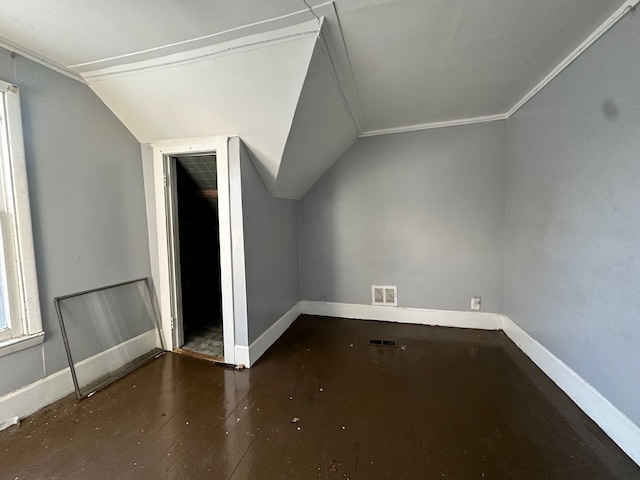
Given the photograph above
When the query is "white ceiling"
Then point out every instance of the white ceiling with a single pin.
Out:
(372, 66)
(428, 61)
(276, 90)
(413, 61)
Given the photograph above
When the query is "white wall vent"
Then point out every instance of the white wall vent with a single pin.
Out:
(384, 295)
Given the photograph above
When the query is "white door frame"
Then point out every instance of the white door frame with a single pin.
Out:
(173, 248)
(233, 299)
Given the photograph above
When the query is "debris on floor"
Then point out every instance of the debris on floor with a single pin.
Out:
(333, 467)
(230, 366)
(295, 420)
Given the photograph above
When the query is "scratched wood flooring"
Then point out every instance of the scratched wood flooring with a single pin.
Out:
(322, 403)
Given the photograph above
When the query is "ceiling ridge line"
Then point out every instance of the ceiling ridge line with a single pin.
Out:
(356, 120)
(310, 10)
(325, 43)
(334, 72)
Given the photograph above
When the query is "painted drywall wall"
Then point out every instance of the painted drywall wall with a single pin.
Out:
(321, 131)
(573, 204)
(421, 210)
(247, 87)
(271, 251)
(87, 202)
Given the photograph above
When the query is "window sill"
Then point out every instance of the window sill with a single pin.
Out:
(16, 344)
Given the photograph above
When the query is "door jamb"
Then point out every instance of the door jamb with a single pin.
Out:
(173, 241)
(233, 309)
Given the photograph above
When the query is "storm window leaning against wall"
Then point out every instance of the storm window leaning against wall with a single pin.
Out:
(20, 321)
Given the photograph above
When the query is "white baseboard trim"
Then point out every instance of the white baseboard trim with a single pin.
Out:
(419, 316)
(28, 400)
(114, 358)
(248, 356)
(619, 427)
(42, 393)
(613, 422)
(616, 424)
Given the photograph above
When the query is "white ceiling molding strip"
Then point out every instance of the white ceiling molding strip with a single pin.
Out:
(262, 27)
(233, 47)
(337, 53)
(591, 39)
(427, 126)
(41, 59)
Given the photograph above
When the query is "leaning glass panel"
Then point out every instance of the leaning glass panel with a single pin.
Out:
(108, 332)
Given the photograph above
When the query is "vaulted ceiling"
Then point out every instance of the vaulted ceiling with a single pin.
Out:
(300, 80)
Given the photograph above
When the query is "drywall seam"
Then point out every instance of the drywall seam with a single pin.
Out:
(355, 111)
(361, 121)
(334, 71)
(616, 424)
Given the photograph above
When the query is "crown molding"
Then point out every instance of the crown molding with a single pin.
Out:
(265, 28)
(339, 58)
(620, 13)
(590, 40)
(428, 126)
(41, 59)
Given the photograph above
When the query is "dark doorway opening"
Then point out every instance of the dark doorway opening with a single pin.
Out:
(199, 254)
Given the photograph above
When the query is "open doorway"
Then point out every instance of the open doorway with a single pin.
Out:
(162, 207)
(196, 225)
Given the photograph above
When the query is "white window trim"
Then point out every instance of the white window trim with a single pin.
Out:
(15, 229)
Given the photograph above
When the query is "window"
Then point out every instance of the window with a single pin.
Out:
(20, 321)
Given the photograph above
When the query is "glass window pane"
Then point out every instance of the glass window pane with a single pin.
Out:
(108, 332)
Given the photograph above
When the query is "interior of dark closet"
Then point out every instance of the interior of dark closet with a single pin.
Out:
(199, 254)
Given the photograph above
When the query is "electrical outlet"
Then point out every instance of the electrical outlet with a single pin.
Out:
(475, 303)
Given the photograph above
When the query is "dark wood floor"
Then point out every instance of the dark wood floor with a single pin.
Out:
(445, 403)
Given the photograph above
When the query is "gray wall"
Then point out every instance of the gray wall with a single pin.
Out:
(421, 210)
(271, 251)
(87, 202)
(573, 227)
